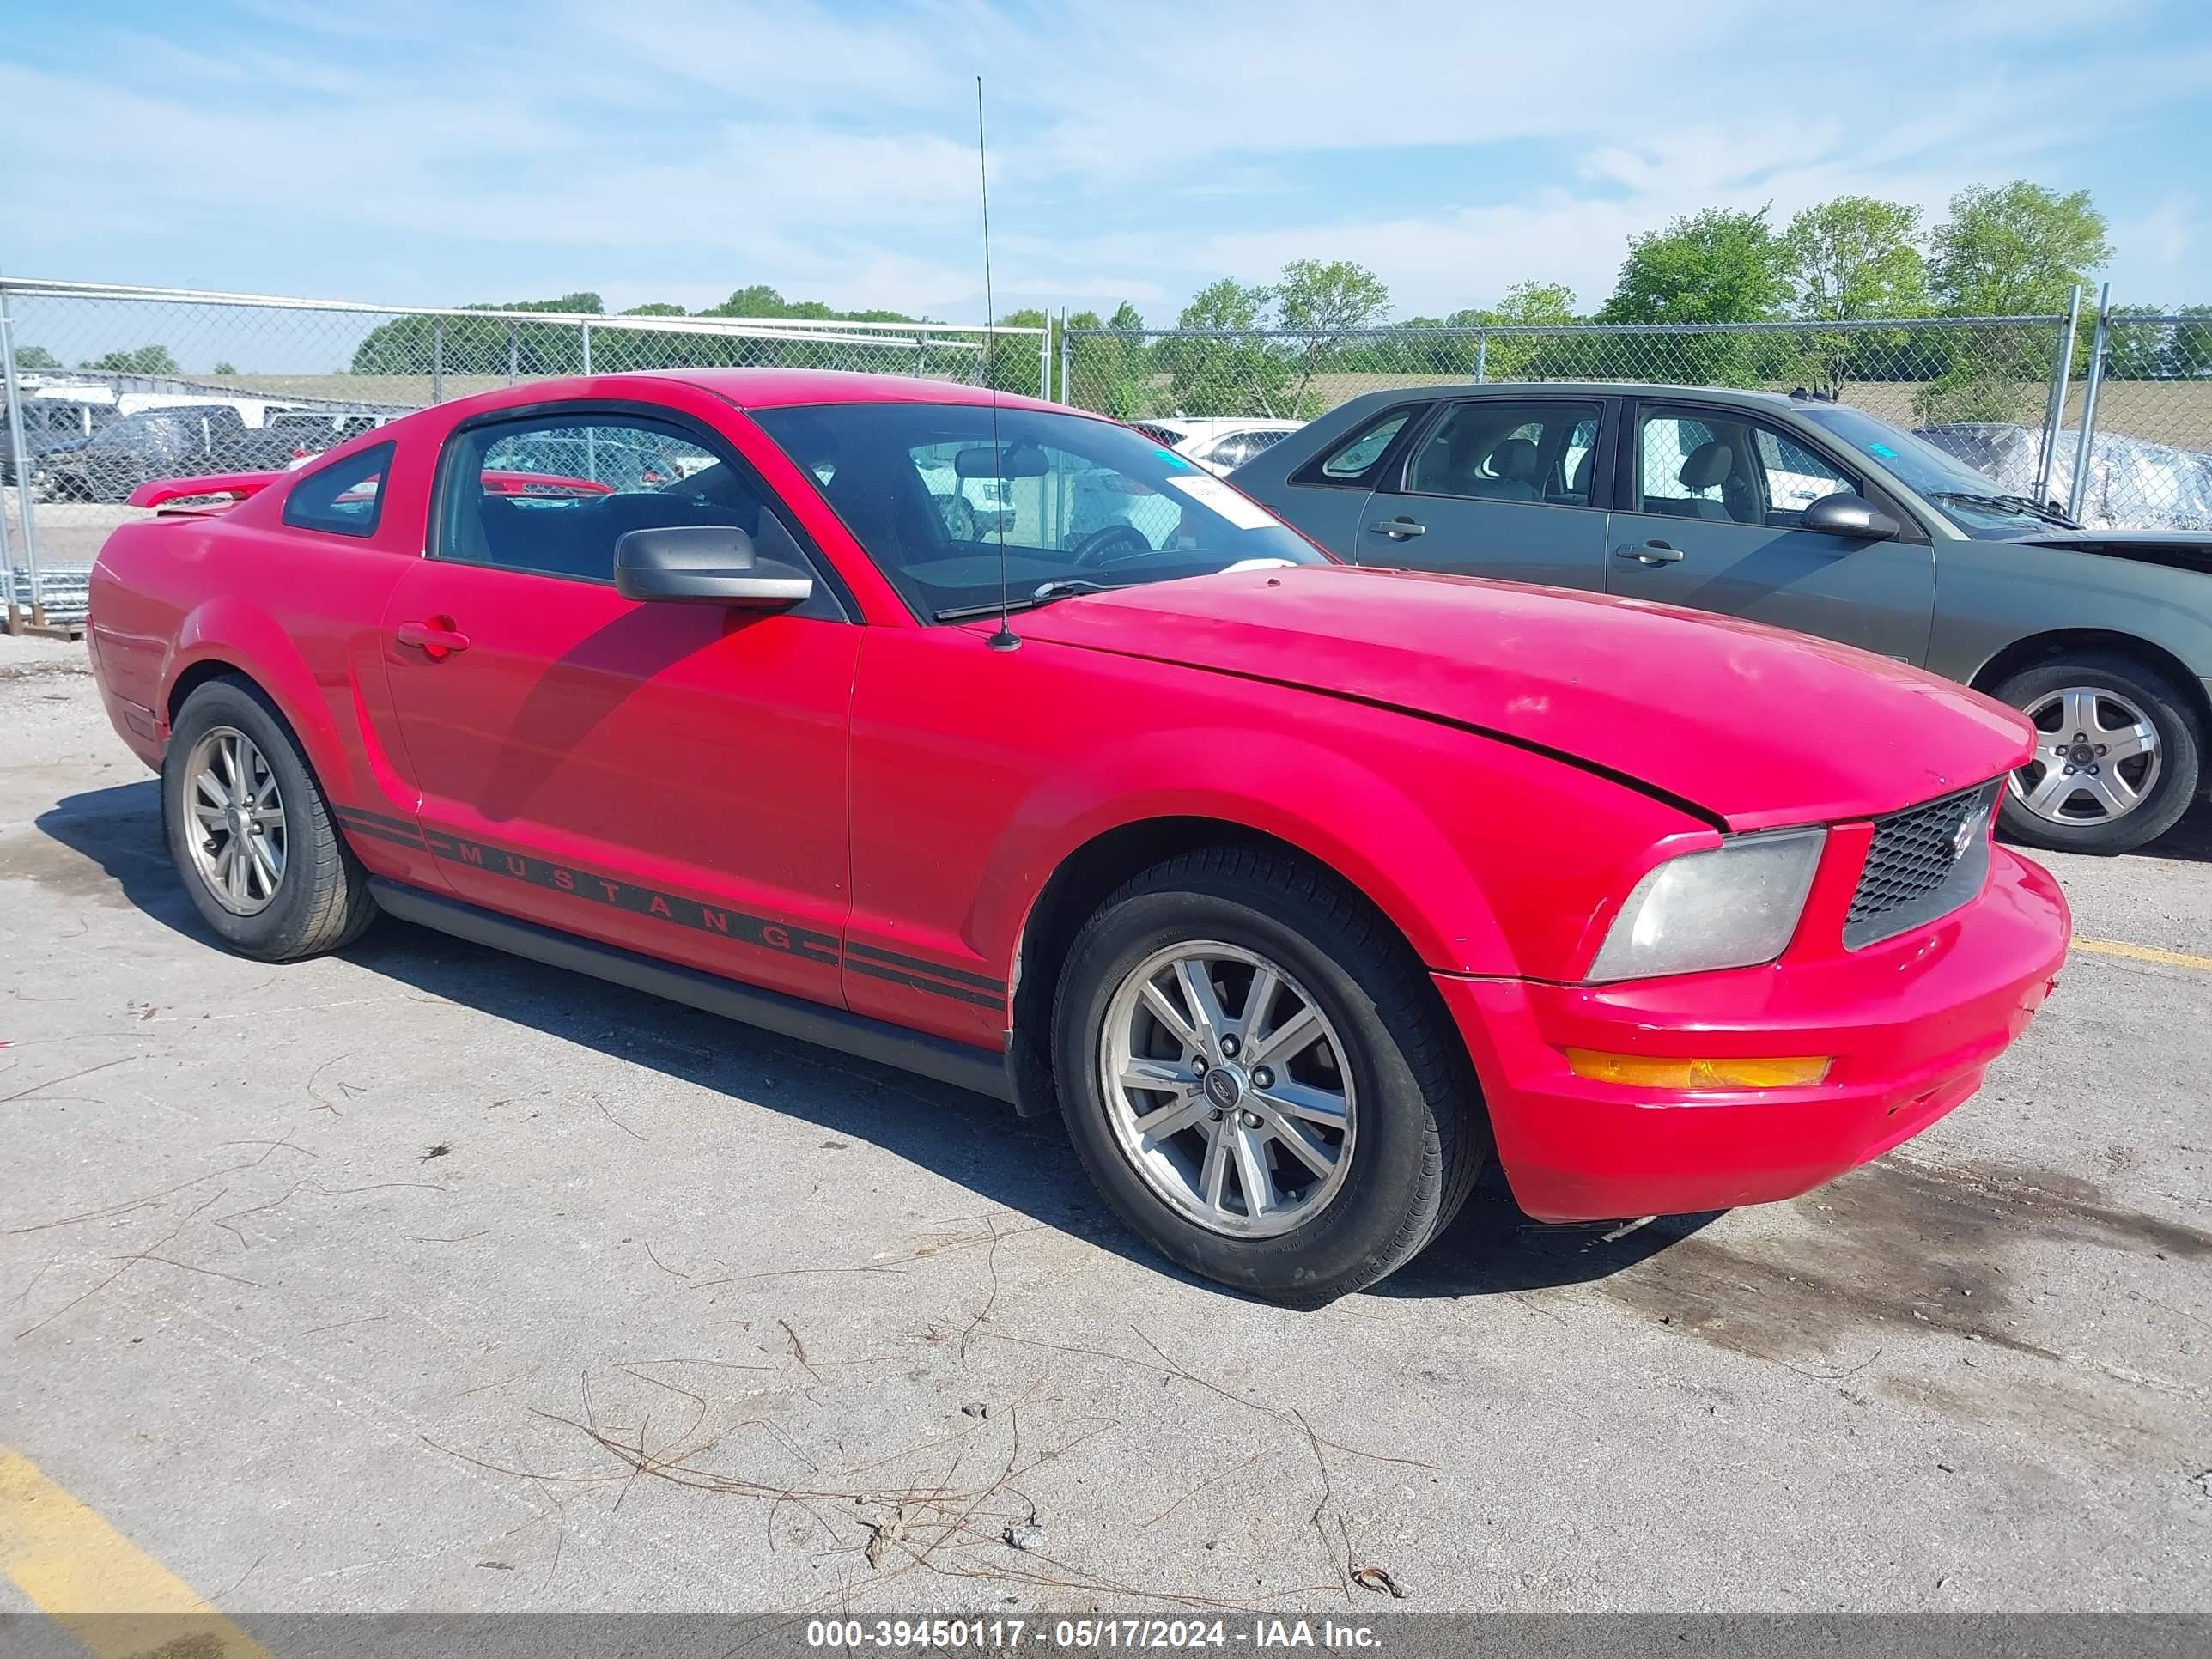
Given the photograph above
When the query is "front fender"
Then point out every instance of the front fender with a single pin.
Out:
(1346, 814)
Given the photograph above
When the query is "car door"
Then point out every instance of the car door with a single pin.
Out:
(1497, 487)
(666, 777)
(1321, 480)
(1711, 497)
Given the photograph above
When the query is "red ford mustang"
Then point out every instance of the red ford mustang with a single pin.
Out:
(1297, 888)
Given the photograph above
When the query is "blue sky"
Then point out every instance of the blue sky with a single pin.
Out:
(442, 153)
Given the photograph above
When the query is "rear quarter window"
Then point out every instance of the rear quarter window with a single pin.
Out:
(342, 499)
(1356, 458)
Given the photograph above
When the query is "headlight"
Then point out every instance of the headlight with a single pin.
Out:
(1733, 906)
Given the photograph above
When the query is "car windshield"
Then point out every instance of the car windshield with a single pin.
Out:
(933, 490)
(1974, 502)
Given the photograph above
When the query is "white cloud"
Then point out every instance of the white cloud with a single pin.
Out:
(1138, 148)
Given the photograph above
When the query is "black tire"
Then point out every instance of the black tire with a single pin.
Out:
(321, 901)
(1422, 1137)
(2171, 713)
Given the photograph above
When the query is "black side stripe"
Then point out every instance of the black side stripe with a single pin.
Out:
(377, 832)
(760, 932)
(383, 820)
(918, 965)
(980, 999)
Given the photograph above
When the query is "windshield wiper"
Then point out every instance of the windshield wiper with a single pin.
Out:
(1044, 593)
(2008, 503)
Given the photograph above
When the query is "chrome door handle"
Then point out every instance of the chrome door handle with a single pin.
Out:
(1653, 553)
(436, 639)
(1399, 528)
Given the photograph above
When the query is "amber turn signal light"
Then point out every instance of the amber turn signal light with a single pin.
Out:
(1649, 1072)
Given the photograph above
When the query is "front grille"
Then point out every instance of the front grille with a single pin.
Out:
(1917, 869)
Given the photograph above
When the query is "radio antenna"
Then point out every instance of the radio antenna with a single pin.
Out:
(1004, 639)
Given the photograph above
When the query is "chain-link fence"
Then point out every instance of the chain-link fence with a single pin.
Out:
(2007, 395)
(108, 387)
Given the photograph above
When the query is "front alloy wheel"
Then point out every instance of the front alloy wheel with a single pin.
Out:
(2097, 756)
(1242, 1121)
(1257, 1072)
(2118, 746)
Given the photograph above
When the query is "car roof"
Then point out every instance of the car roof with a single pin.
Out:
(1591, 389)
(779, 388)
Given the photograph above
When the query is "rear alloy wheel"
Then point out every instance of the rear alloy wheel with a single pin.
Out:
(2117, 755)
(1258, 1075)
(250, 832)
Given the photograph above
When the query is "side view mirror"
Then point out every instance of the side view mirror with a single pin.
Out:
(1847, 514)
(706, 564)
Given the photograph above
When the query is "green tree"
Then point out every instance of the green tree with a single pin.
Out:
(225, 366)
(2015, 249)
(655, 308)
(1324, 302)
(1011, 362)
(1112, 372)
(146, 360)
(1225, 376)
(1716, 266)
(2188, 352)
(1854, 260)
(1528, 304)
(31, 357)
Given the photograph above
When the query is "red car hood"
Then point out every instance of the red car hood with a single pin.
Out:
(1757, 727)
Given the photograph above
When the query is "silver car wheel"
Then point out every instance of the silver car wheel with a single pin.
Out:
(237, 831)
(2097, 756)
(1242, 1121)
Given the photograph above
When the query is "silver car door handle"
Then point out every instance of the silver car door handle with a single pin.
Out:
(1399, 528)
(1650, 553)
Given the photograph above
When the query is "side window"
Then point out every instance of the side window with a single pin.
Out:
(1508, 452)
(553, 494)
(1354, 460)
(1796, 478)
(344, 498)
(1705, 465)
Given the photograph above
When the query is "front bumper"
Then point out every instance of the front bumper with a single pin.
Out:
(1912, 1024)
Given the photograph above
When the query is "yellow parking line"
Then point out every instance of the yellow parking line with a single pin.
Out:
(2108, 947)
(114, 1598)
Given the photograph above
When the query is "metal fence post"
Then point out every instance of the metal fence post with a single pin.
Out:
(1066, 360)
(586, 330)
(1044, 360)
(2074, 501)
(437, 360)
(1482, 357)
(2054, 417)
(21, 460)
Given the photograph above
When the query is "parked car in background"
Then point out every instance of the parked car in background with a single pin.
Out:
(1811, 515)
(193, 440)
(315, 430)
(1295, 888)
(1218, 444)
(52, 425)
